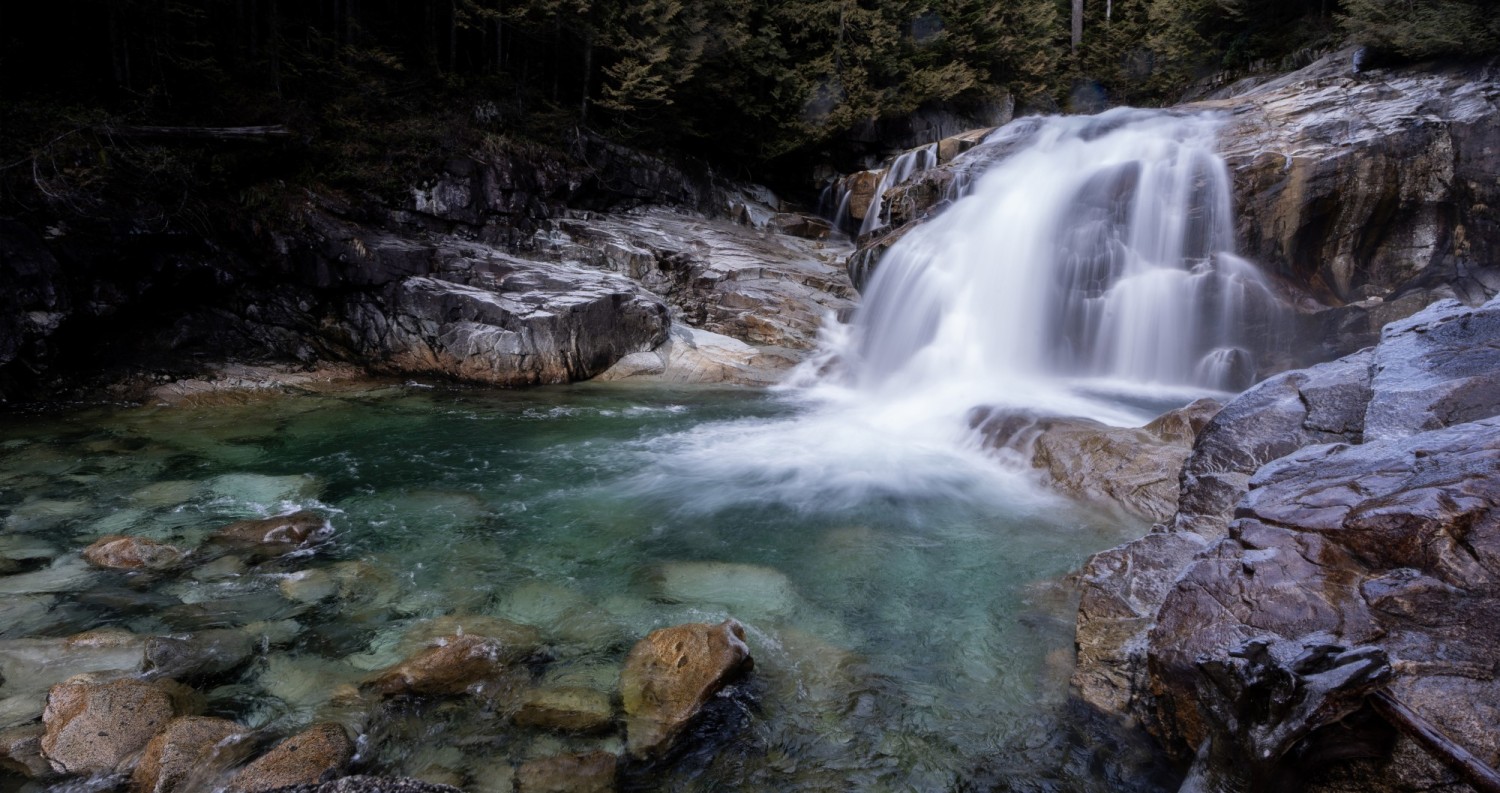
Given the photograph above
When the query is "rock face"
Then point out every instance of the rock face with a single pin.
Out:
(1370, 195)
(1351, 505)
(671, 673)
(192, 749)
(309, 757)
(117, 552)
(1133, 469)
(97, 727)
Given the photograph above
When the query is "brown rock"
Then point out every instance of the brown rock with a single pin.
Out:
(118, 552)
(590, 772)
(671, 673)
(516, 639)
(96, 727)
(567, 709)
(455, 665)
(21, 752)
(314, 755)
(187, 755)
(274, 536)
(862, 187)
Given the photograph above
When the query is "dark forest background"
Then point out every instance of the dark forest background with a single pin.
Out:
(372, 92)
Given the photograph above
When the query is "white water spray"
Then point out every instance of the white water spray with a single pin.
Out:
(1101, 248)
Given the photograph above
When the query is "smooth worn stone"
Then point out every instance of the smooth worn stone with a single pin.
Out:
(65, 574)
(455, 665)
(310, 757)
(694, 355)
(98, 727)
(1438, 368)
(566, 709)
(590, 772)
(264, 491)
(198, 655)
(25, 615)
(116, 552)
(275, 536)
(35, 665)
(189, 755)
(752, 590)
(21, 752)
(671, 673)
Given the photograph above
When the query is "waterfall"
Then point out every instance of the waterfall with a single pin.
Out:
(1100, 247)
(905, 166)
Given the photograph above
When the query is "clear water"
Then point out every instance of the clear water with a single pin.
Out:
(903, 597)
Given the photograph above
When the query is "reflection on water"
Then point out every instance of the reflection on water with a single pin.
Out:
(903, 600)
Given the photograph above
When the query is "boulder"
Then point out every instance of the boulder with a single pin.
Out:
(454, 665)
(276, 536)
(99, 727)
(589, 772)
(862, 186)
(188, 755)
(310, 757)
(670, 674)
(117, 552)
(1135, 470)
(693, 355)
(1435, 370)
(566, 709)
(198, 655)
(754, 590)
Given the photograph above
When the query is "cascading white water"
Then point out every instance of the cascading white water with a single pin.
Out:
(1102, 247)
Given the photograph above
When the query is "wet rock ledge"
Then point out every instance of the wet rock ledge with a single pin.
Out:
(1336, 541)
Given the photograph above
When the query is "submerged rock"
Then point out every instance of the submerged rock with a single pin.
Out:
(748, 589)
(264, 491)
(566, 709)
(276, 536)
(590, 772)
(312, 756)
(188, 755)
(671, 673)
(98, 727)
(455, 665)
(116, 552)
(371, 784)
(21, 752)
(198, 655)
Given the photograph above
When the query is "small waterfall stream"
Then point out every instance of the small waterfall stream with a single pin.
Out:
(1101, 248)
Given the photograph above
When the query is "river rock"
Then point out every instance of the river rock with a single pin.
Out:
(116, 552)
(589, 772)
(372, 784)
(566, 709)
(32, 666)
(693, 355)
(263, 491)
(1133, 469)
(454, 665)
(310, 757)
(65, 574)
(749, 589)
(275, 536)
(198, 655)
(21, 752)
(190, 753)
(517, 640)
(98, 727)
(671, 673)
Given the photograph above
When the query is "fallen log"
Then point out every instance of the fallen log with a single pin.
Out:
(1462, 762)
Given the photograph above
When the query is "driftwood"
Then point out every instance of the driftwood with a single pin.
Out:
(201, 134)
(1462, 762)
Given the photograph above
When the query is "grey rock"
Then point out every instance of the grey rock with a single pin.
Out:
(1438, 368)
(369, 784)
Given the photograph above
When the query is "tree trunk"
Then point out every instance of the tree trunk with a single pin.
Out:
(1077, 25)
(588, 70)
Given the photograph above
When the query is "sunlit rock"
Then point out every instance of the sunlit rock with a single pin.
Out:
(671, 673)
(99, 727)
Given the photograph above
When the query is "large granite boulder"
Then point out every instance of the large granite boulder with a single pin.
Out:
(188, 755)
(313, 756)
(100, 727)
(452, 665)
(670, 674)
